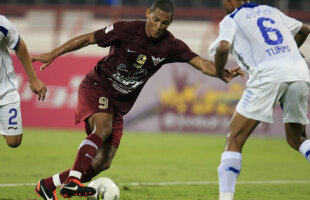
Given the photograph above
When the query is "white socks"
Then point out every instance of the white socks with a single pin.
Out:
(56, 180)
(228, 171)
(230, 168)
(304, 149)
(226, 196)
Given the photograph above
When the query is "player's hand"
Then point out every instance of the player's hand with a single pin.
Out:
(231, 73)
(45, 58)
(38, 87)
(227, 76)
(236, 71)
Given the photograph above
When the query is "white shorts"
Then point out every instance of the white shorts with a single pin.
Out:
(11, 119)
(258, 102)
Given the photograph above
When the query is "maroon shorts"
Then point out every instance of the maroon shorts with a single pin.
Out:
(92, 99)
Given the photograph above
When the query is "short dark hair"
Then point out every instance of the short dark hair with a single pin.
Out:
(165, 5)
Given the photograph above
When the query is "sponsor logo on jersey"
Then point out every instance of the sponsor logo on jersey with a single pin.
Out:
(157, 60)
(127, 81)
(11, 127)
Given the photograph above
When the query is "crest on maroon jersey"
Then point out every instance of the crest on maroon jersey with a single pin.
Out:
(157, 60)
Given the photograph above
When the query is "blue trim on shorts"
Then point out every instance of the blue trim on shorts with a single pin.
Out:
(250, 92)
(247, 97)
(246, 100)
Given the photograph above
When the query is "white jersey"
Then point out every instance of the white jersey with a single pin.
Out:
(9, 38)
(262, 43)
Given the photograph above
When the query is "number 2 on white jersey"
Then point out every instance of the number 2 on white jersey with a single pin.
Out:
(14, 111)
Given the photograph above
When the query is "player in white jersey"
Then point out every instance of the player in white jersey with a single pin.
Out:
(265, 43)
(10, 115)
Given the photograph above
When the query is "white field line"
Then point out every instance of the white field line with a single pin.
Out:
(184, 183)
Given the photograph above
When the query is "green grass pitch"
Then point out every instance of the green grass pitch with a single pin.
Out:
(159, 159)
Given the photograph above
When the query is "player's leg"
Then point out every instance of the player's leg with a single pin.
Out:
(294, 103)
(13, 141)
(294, 133)
(11, 124)
(101, 124)
(294, 137)
(89, 103)
(255, 105)
(95, 108)
(101, 162)
(104, 157)
(107, 151)
(304, 134)
(230, 167)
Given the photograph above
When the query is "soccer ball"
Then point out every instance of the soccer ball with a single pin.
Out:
(106, 189)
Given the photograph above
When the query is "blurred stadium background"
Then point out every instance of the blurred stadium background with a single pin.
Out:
(176, 99)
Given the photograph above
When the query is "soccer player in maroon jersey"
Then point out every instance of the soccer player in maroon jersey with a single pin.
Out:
(138, 49)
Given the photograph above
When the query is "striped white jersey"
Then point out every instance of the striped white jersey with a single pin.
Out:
(9, 39)
(262, 43)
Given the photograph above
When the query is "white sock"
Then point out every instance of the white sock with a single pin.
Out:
(304, 149)
(56, 180)
(226, 196)
(228, 171)
(75, 174)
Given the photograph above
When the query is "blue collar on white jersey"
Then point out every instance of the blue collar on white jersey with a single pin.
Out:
(4, 31)
(247, 5)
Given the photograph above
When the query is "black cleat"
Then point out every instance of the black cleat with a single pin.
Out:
(75, 188)
(45, 193)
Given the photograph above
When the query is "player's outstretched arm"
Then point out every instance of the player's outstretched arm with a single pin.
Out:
(205, 66)
(71, 45)
(208, 67)
(36, 85)
(302, 35)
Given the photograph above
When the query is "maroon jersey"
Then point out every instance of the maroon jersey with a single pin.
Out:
(133, 59)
